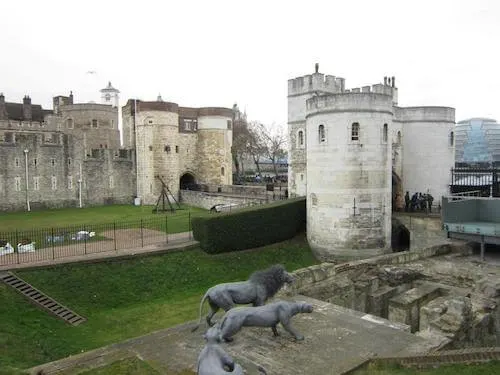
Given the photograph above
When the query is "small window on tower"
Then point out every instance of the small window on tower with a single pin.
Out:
(108, 97)
(385, 134)
(321, 134)
(229, 124)
(300, 137)
(452, 138)
(355, 131)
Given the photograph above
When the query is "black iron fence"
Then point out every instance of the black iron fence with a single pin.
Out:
(24, 246)
(483, 180)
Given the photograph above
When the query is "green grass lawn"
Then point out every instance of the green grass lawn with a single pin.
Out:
(41, 226)
(488, 368)
(123, 298)
(11, 221)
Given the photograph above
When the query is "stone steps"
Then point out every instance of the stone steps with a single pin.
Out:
(42, 300)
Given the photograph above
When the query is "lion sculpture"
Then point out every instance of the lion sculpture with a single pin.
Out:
(262, 316)
(213, 359)
(256, 290)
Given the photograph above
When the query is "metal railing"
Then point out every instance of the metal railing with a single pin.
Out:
(39, 244)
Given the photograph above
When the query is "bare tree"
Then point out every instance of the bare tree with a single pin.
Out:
(275, 141)
(256, 145)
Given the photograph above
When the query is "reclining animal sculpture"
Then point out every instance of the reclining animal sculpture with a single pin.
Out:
(213, 360)
(261, 286)
(262, 316)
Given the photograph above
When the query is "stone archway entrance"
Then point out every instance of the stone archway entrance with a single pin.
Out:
(398, 199)
(187, 181)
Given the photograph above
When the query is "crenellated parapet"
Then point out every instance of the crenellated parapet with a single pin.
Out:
(350, 102)
(316, 82)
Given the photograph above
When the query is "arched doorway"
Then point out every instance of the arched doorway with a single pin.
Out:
(187, 182)
(397, 193)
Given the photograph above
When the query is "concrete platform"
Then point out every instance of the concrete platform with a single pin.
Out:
(336, 340)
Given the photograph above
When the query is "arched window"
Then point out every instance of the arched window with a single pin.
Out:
(300, 139)
(355, 131)
(69, 123)
(385, 133)
(222, 171)
(399, 137)
(321, 134)
(452, 138)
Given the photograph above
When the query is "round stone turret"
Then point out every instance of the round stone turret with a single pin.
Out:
(349, 174)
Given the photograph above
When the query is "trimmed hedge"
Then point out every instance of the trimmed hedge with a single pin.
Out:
(251, 227)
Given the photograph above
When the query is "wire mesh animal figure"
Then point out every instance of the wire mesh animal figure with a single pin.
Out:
(269, 315)
(214, 360)
(261, 286)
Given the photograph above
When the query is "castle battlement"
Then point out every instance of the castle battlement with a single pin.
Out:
(350, 101)
(315, 82)
(89, 107)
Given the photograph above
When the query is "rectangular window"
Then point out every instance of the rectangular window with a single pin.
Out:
(69, 161)
(229, 124)
(70, 182)
(53, 162)
(18, 183)
(111, 182)
(35, 161)
(355, 131)
(54, 183)
(36, 183)
(94, 123)
(16, 161)
(176, 149)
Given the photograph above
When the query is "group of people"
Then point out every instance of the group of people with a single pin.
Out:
(418, 202)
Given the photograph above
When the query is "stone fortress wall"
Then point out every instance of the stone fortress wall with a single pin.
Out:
(353, 153)
(76, 141)
(65, 144)
(180, 145)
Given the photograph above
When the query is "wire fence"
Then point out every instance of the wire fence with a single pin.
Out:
(34, 245)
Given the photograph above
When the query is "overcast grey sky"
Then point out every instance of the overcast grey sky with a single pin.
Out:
(215, 53)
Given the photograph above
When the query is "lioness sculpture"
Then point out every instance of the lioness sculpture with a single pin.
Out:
(213, 360)
(256, 290)
(262, 316)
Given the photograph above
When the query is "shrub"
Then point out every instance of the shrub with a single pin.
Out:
(251, 227)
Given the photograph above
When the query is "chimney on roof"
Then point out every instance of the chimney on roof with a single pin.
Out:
(316, 67)
(3, 111)
(27, 112)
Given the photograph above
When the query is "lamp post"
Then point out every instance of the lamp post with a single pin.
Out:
(80, 187)
(27, 184)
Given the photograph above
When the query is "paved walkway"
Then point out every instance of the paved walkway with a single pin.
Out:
(45, 257)
(336, 340)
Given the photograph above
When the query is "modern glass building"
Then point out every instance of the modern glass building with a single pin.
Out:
(477, 140)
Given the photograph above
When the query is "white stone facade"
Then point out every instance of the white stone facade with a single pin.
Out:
(346, 149)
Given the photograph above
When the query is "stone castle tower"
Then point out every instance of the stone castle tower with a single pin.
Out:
(110, 96)
(353, 153)
(180, 145)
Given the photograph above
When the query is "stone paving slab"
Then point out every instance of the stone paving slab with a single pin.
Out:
(336, 340)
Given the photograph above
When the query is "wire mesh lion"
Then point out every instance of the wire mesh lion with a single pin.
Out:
(261, 286)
